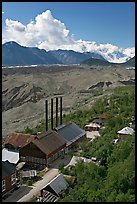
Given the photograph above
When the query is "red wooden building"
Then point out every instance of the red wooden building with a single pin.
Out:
(44, 149)
(8, 177)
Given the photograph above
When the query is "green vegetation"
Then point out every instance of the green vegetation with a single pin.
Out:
(29, 181)
(114, 179)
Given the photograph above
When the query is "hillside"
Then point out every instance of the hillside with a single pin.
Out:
(114, 179)
(130, 63)
(72, 57)
(96, 62)
(15, 54)
(24, 90)
(100, 62)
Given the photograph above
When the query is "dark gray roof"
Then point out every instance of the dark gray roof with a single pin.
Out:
(58, 183)
(98, 120)
(70, 132)
(7, 168)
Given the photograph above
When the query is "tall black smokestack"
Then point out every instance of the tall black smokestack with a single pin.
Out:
(46, 115)
(60, 110)
(56, 112)
(52, 113)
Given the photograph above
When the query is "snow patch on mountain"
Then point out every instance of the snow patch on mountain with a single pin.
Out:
(49, 33)
(108, 51)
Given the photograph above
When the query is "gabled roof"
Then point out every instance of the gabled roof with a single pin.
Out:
(58, 184)
(75, 159)
(49, 141)
(18, 140)
(7, 169)
(92, 125)
(70, 132)
(98, 120)
(126, 131)
(11, 156)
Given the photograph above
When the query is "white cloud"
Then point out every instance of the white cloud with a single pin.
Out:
(48, 33)
(13, 26)
(45, 29)
(3, 12)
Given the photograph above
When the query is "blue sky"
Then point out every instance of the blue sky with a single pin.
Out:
(102, 22)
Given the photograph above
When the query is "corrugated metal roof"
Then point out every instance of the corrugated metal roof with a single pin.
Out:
(70, 132)
(59, 127)
(49, 141)
(126, 131)
(7, 169)
(58, 184)
(18, 139)
(11, 156)
(75, 159)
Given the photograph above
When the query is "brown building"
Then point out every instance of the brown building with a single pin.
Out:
(44, 149)
(8, 177)
(17, 140)
(125, 131)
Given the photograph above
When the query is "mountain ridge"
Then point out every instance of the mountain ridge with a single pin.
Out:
(15, 54)
(99, 62)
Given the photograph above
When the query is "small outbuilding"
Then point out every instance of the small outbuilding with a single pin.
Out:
(125, 131)
(92, 127)
(52, 191)
(76, 159)
(98, 121)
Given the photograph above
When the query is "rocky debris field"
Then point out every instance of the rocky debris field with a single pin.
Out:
(24, 90)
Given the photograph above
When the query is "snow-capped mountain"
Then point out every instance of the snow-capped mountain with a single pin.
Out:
(108, 51)
(15, 54)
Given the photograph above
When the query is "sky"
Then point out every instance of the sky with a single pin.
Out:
(81, 26)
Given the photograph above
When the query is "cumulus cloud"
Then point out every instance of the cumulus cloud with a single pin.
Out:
(48, 33)
(2, 12)
(13, 26)
(45, 32)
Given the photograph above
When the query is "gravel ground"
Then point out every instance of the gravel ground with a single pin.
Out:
(19, 89)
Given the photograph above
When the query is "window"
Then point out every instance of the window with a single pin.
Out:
(13, 179)
(3, 185)
(22, 158)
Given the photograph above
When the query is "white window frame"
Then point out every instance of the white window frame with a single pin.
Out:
(13, 179)
(3, 185)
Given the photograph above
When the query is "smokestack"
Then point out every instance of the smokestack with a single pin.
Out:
(51, 113)
(46, 114)
(56, 112)
(60, 110)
